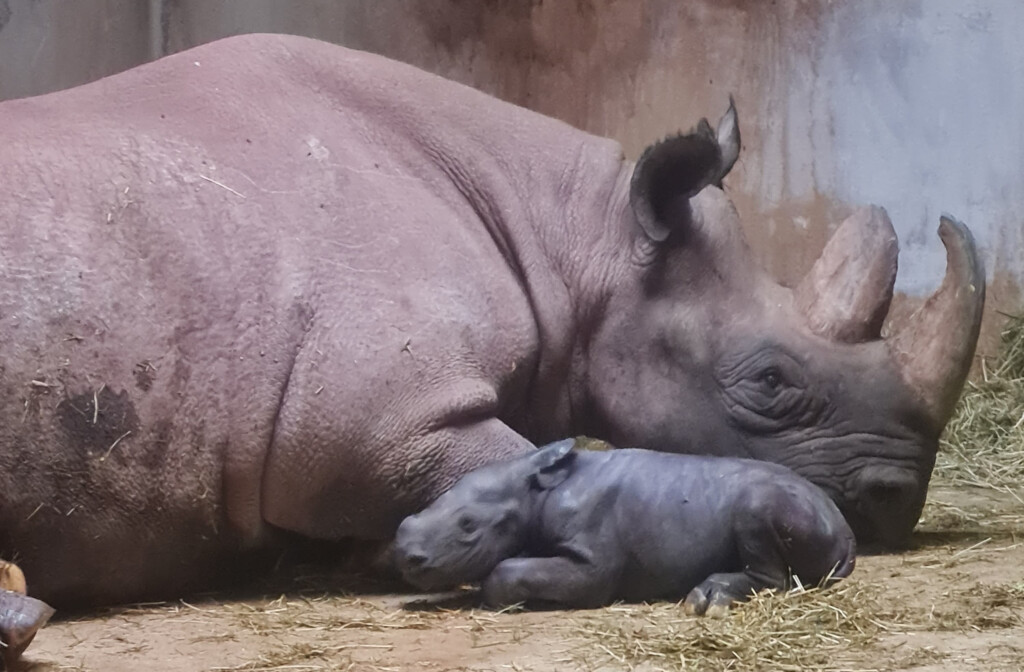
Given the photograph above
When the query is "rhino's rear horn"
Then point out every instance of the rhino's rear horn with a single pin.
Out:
(935, 349)
(846, 295)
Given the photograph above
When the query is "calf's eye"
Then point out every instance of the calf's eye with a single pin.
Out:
(467, 524)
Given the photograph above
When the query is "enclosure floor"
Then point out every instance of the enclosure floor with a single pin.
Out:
(968, 538)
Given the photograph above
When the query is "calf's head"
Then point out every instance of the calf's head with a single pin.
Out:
(699, 351)
(480, 521)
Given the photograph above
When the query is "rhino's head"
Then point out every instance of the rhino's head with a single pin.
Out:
(699, 351)
(482, 520)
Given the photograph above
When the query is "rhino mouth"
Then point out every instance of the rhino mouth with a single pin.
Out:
(875, 535)
(418, 569)
(884, 522)
(429, 579)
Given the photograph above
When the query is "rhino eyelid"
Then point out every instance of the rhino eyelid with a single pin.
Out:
(752, 364)
(466, 524)
(772, 377)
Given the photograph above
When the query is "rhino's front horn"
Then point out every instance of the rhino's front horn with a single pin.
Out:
(934, 350)
(846, 295)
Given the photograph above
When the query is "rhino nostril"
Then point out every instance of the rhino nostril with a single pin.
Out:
(415, 560)
(888, 487)
(887, 493)
(885, 505)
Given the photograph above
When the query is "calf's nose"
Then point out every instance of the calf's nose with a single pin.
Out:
(409, 553)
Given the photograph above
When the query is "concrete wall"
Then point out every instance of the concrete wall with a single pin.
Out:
(47, 45)
(915, 105)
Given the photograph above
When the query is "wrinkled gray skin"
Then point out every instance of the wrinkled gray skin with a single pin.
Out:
(580, 529)
(271, 285)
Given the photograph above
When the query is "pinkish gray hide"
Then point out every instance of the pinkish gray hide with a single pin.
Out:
(271, 284)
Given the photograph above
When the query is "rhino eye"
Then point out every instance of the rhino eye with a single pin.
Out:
(767, 389)
(771, 378)
(467, 524)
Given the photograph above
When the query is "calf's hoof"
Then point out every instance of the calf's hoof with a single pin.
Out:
(21, 617)
(12, 578)
(497, 595)
(698, 603)
(504, 587)
(716, 594)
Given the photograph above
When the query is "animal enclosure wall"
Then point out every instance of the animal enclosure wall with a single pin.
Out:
(916, 106)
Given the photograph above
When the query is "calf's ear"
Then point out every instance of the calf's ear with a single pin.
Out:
(551, 464)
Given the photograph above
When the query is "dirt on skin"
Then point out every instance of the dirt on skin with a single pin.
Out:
(961, 587)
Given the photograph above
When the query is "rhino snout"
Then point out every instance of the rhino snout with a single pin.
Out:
(412, 560)
(889, 502)
(414, 565)
(411, 556)
(409, 548)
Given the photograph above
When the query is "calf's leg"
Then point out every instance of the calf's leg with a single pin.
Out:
(779, 532)
(718, 592)
(565, 581)
(21, 616)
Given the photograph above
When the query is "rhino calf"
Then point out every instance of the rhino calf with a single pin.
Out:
(582, 528)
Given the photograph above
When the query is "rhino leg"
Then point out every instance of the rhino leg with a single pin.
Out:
(761, 524)
(567, 582)
(762, 555)
(364, 491)
(21, 617)
(780, 531)
(718, 592)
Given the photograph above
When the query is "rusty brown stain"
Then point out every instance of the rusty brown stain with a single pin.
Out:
(144, 374)
(1003, 296)
(94, 421)
(788, 238)
(638, 71)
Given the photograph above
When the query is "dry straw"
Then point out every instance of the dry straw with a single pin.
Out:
(984, 442)
(839, 628)
(796, 630)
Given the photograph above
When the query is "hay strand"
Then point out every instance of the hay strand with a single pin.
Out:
(794, 630)
(983, 445)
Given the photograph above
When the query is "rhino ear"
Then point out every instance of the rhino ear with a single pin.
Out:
(728, 136)
(671, 172)
(551, 464)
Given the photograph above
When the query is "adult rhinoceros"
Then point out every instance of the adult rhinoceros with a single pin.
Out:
(271, 284)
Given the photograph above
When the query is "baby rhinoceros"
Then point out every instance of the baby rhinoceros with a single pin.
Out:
(583, 528)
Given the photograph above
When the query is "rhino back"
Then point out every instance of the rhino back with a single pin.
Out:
(668, 517)
(248, 267)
